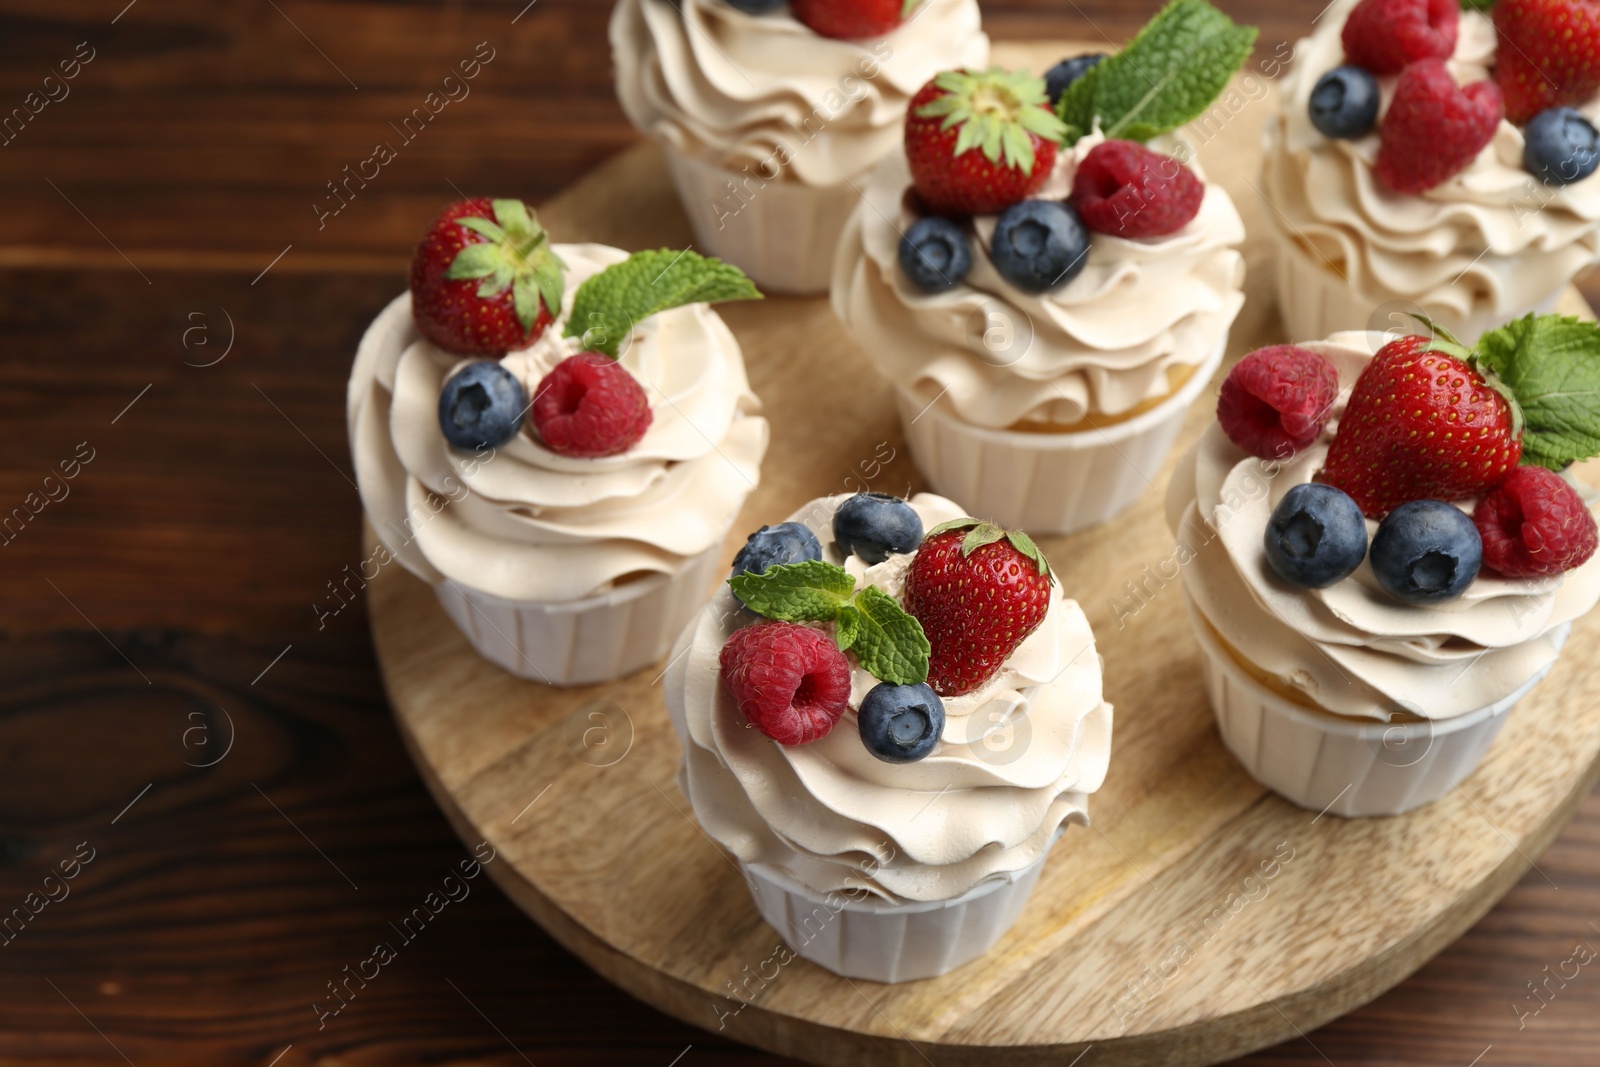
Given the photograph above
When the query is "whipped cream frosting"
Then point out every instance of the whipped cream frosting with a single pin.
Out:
(1102, 344)
(523, 523)
(1491, 241)
(1350, 648)
(1016, 762)
(765, 91)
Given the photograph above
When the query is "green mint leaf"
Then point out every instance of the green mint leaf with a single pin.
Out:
(1551, 365)
(809, 591)
(890, 643)
(848, 629)
(1167, 76)
(609, 305)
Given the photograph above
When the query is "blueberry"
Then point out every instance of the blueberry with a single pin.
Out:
(787, 542)
(901, 723)
(1426, 552)
(1039, 245)
(873, 525)
(1345, 103)
(1562, 146)
(935, 254)
(1316, 536)
(482, 406)
(1064, 73)
(756, 7)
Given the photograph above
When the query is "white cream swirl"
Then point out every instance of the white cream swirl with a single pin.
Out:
(1016, 762)
(1103, 344)
(523, 523)
(1491, 242)
(767, 92)
(1350, 648)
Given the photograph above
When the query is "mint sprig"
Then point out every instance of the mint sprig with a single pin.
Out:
(609, 305)
(887, 641)
(1167, 76)
(1550, 364)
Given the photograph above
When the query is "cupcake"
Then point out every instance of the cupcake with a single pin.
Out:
(565, 491)
(1419, 164)
(891, 805)
(1379, 556)
(1047, 293)
(772, 115)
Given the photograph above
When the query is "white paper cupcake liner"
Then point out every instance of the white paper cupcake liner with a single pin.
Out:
(781, 233)
(1047, 483)
(1326, 763)
(883, 942)
(581, 642)
(1315, 303)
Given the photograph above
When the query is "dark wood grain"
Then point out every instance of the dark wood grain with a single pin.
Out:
(188, 553)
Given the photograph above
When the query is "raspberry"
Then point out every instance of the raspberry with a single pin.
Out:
(1434, 128)
(1125, 189)
(589, 406)
(790, 681)
(1534, 525)
(1276, 400)
(1386, 36)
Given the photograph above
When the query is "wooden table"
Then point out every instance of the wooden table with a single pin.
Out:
(169, 698)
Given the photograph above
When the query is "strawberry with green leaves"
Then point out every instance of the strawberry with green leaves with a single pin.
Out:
(1429, 419)
(979, 142)
(978, 592)
(485, 281)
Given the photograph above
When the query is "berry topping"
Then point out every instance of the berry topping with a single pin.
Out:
(1549, 54)
(1422, 422)
(978, 143)
(1562, 146)
(1316, 537)
(756, 7)
(1344, 104)
(935, 254)
(790, 681)
(1039, 245)
(787, 542)
(1059, 78)
(481, 406)
(1434, 128)
(485, 280)
(1125, 189)
(851, 19)
(1276, 400)
(1426, 552)
(1386, 36)
(875, 525)
(901, 723)
(590, 406)
(978, 591)
(1534, 525)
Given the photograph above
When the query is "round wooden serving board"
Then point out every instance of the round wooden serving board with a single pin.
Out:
(1199, 918)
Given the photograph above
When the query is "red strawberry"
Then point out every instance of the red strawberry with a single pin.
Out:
(590, 406)
(1434, 128)
(1386, 36)
(1125, 189)
(851, 19)
(1534, 524)
(1549, 54)
(485, 280)
(1424, 421)
(978, 592)
(790, 681)
(978, 143)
